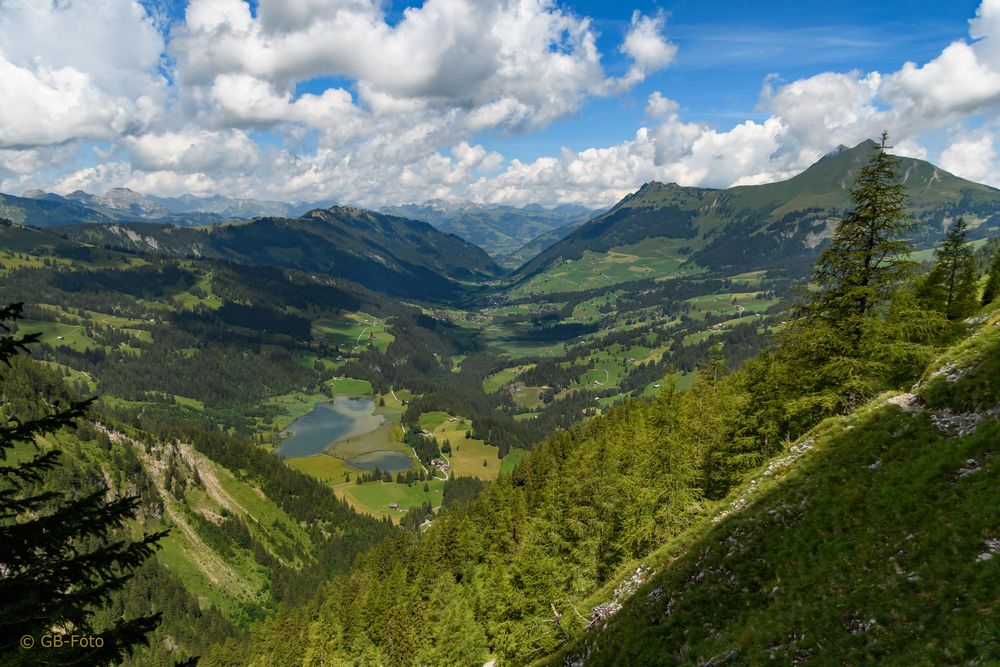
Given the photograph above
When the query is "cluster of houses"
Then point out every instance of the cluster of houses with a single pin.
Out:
(443, 465)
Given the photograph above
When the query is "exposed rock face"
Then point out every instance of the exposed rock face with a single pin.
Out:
(123, 199)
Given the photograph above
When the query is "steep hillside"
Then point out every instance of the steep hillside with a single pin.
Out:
(500, 230)
(876, 537)
(382, 252)
(753, 227)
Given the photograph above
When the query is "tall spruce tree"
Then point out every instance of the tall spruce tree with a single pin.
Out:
(950, 287)
(832, 355)
(868, 256)
(992, 289)
(61, 556)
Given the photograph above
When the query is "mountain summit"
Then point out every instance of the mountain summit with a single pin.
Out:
(753, 226)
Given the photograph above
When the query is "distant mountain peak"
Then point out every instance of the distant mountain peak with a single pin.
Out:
(841, 148)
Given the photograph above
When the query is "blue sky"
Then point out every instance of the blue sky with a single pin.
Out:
(491, 100)
(726, 49)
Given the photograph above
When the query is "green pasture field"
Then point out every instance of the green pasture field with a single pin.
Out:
(492, 383)
(57, 334)
(373, 498)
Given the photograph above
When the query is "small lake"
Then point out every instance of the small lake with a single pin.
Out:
(345, 417)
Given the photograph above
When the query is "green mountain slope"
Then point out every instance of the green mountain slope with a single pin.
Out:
(877, 537)
(382, 252)
(537, 245)
(762, 226)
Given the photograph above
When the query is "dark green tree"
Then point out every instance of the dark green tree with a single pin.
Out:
(868, 256)
(832, 355)
(992, 289)
(61, 556)
(713, 368)
(950, 287)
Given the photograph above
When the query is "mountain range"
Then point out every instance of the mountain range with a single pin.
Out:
(382, 252)
(761, 226)
(507, 233)
(428, 249)
(127, 204)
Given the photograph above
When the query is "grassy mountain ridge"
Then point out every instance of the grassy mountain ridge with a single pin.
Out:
(874, 538)
(754, 227)
(385, 253)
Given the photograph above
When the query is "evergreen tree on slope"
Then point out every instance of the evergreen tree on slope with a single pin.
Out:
(992, 290)
(867, 258)
(60, 556)
(847, 341)
(950, 287)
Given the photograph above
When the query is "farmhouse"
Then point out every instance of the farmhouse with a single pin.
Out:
(394, 506)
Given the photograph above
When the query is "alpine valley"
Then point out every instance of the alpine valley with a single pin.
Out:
(664, 433)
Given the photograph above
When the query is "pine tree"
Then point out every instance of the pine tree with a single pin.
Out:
(829, 357)
(950, 287)
(867, 257)
(713, 368)
(992, 290)
(60, 557)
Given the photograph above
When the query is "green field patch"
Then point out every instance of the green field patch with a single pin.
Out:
(468, 454)
(354, 331)
(492, 383)
(345, 386)
(511, 460)
(373, 498)
(324, 467)
(199, 295)
(431, 420)
(529, 398)
(190, 403)
(650, 258)
(57, 334)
